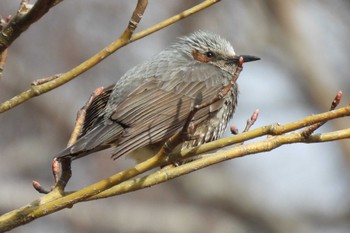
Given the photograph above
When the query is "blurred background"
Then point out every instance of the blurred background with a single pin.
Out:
(305, 51)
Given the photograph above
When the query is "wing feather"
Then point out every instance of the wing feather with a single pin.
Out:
(159, 108)
(151, 112)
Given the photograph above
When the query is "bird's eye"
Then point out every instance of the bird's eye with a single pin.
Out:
(210, 54)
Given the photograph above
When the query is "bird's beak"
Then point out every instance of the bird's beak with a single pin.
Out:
(246, 58)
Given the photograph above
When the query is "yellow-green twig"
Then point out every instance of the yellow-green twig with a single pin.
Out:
(121, 183)
(211, 159)
(125, 39)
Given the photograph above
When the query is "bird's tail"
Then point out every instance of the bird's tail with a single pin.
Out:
(101, 137)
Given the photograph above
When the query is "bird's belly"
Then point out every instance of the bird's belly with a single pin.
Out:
(141, 154)
(209, 130)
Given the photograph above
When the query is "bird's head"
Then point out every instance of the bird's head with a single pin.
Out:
(210, 48)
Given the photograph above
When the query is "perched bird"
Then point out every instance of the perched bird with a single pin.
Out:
(152, 101)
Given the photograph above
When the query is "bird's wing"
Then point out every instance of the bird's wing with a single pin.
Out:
(152, 112)
(95, 133)
(94, 112)
(159, 108)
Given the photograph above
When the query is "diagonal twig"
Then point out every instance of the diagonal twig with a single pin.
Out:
(309, 130)
(251, 121)
(205, 160)
(97, 58)
(52, 202)
(66, 163)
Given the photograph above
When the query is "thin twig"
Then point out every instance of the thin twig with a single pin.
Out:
(45, 80)
(97, 58)
(54, 201)
(201, 6)
(273, 129)
(79, 127)
(261, 146)
(309, 130)
(210, 159)
(66, 163)
(136, 17)
(251, 121)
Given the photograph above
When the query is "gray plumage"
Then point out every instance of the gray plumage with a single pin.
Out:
(152, 101)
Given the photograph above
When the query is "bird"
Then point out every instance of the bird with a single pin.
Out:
(152, 101)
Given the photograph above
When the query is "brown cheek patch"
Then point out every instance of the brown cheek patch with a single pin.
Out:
(199, 57)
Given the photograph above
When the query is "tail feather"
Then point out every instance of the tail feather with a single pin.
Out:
(101, 137)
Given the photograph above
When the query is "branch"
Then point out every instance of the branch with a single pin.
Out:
(201, 6)
(119, 183)
(3, 55)
(26, 16)
(125, 39)
(211, 159)
(309, 130)
(262, 146)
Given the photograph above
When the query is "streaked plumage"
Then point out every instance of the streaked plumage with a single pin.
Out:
(152, 100)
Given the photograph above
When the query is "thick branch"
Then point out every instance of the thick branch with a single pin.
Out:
(111, 186)
(211, 159)
(273, 129)
(23, 20)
